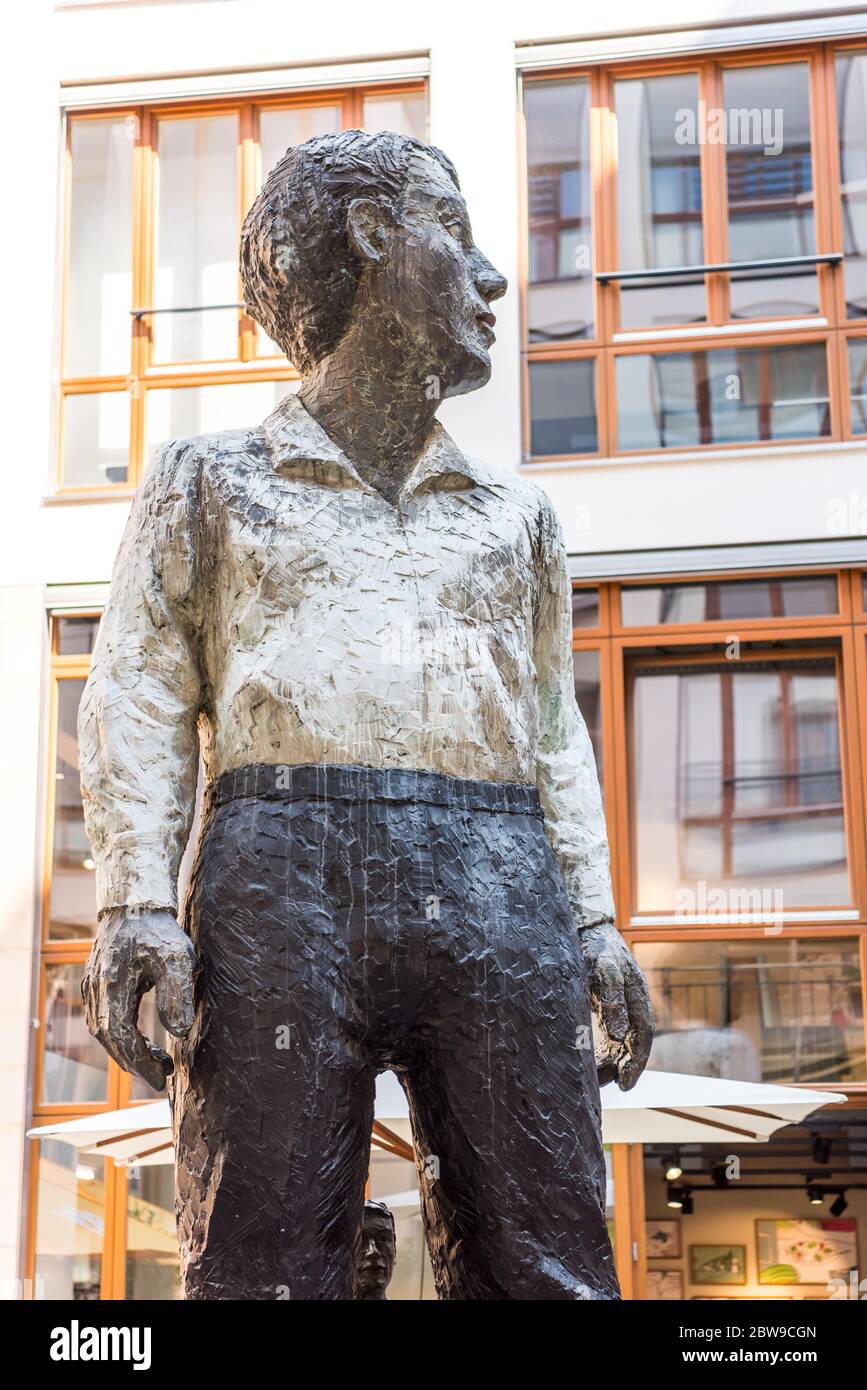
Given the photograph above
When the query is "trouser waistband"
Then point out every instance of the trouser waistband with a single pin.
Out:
(336, 782)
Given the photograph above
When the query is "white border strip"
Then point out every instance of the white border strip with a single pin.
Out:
(247, 82)
(619, 48)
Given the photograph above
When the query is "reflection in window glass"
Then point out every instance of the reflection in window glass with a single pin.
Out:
(152, 1270)
(730, 599)
(672, 400)
(70, 1224)
(150, 1024)
(183, 411)
(585, 664)
(858, 384)
(769, 179)
(563, 407)
(72, 902)
(659, 198)
(74, 1065)
(95, 439)
(763, 1010)
(76, 635)
(197, 239)
(852, 130)
(560, 281)
(99, 283)
(736, 785)
(404, 112)
(585, 607)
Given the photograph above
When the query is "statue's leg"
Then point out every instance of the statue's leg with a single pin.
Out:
(502, 1081)
(273, 1094)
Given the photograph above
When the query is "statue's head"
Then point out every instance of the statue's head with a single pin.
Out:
(371, 233)
(377, 1251)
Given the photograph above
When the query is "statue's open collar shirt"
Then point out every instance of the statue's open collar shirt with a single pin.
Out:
(269, 606)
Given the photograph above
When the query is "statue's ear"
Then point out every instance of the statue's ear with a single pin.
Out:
(369, 223)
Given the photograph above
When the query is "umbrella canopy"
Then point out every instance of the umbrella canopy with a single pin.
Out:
(665, 1107)
(671, 1107)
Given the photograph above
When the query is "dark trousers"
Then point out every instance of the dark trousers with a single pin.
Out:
(348, 920)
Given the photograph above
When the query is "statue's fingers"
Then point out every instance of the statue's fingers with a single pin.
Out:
(173, 977)
(641, 1030)
(612, 1000)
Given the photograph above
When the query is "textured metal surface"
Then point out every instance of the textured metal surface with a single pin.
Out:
(339, 934)
(265, 588)
(342, 588)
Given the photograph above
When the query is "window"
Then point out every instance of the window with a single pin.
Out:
(726, 712)
(155, 340)
(696, 254)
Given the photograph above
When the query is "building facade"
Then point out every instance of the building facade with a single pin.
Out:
(681, 212)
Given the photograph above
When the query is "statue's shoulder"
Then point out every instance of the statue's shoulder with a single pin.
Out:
(517, 490)
(224, 451)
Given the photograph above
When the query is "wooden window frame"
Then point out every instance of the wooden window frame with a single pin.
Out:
(828, 326)
(248, 365)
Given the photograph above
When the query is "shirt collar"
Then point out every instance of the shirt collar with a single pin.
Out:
(299, 445)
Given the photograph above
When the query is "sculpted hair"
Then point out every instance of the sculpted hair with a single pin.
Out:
(298, 269)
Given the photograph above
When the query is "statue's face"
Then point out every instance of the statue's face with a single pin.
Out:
(436, 286)
(376, 1256)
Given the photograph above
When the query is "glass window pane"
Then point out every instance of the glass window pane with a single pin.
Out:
(769, 177)
(152, 1270)
(95, 439)
(585, 664)
(645, 605)
(70, 1224)
(560, 279)
(179, 412)
(585, 607)
(75, 1066)
(99, 290)
(727, 396)
(76, 635)
(767, 1010)
(858, 383)
(852, 130)
(72, 903)
(563, 407)
(659, 210)
(197, 239)
(737, 790)
(405, 112)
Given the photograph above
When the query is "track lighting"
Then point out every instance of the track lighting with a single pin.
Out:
(815, 1196)
(821, 1150)
(673, 1169)
(839, 1205)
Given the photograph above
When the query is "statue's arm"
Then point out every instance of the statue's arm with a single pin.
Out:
(568, 787)
(138, 755)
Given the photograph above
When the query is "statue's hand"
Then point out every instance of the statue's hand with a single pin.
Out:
(619, 995)
(134, 952)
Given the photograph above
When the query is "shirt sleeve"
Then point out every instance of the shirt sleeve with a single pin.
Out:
(137, 725)
(566, 774)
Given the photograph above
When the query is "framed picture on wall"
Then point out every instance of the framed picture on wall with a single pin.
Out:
(718, 1264)
(806, 1251)
(664, 1285)
(663, 1238)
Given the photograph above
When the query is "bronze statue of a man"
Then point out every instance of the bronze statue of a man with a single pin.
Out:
(403, 861)
(377, 1253)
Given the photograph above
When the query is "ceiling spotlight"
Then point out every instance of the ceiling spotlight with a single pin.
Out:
(676, 1196)
(815, 1196)
(718, 1175)
(673, 1169)
(686, 1204)
(839, 1205)
(821, 1150)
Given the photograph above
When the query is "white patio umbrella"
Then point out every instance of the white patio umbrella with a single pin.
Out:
(663, 1108)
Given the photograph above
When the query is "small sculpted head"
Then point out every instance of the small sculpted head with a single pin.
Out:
(377, 1251)
(368, 235)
